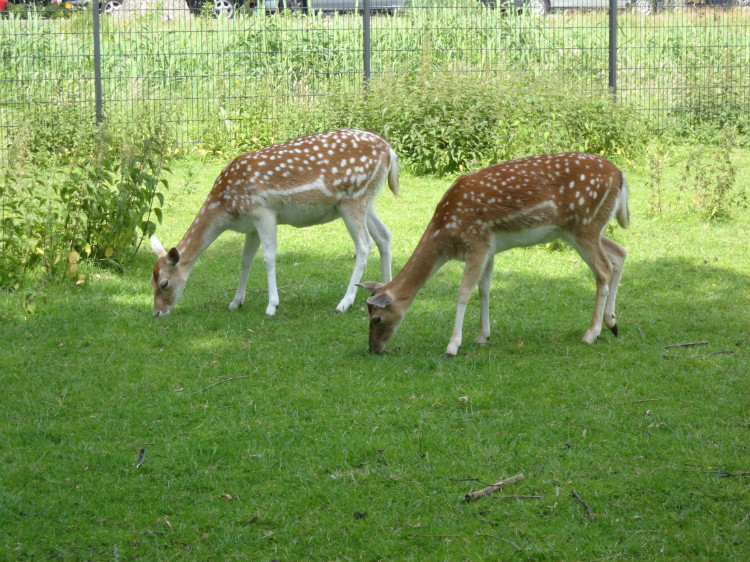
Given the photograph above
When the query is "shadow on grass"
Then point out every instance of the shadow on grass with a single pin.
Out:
(660, 300)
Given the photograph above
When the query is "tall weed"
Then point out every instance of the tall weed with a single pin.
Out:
(707, 182)
(711, 176)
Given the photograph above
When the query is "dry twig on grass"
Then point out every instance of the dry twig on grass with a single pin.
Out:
(230, 378)
(721, 352)
(221, 381)
(590, 511)
(493, 488)
(686, 344)
(420, 536)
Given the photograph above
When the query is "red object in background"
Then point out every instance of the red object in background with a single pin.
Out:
(3, 5)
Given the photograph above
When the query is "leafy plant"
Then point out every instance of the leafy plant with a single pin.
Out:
(97, 205)
(111, 206)
(442, 121)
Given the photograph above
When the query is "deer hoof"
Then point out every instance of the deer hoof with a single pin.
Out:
(614, 329)
(590, 337)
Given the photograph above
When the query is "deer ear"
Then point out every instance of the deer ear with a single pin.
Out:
(157, 247)
(173, 257)
(381, 301)
(371, 286)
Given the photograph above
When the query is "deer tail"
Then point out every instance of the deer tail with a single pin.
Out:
(393, 174)
(622, 213)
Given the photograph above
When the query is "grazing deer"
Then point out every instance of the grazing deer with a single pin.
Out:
(570, 196)
(307, 181)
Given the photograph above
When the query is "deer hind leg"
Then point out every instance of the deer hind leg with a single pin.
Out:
(596, 258)
(382, 237)
(485, 281)
(355, 221)
(267, 231)
(616, 254)
(475, 265)
(252, 243)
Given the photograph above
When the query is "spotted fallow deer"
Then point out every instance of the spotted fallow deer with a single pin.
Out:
(570, 196)
(308, 181)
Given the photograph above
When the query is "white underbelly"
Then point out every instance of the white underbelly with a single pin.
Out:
(529, 237)
(307, 215)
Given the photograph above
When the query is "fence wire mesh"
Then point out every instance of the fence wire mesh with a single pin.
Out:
(201, 72)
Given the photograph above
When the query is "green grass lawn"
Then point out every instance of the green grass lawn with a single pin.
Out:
(307, 447)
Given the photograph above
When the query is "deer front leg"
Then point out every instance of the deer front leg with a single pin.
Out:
(355, 224)
(267, 231)
(252, 243)
(485, 281)
(472, 271)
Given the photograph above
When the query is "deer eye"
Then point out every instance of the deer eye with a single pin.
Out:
(164, 285)
(376, 320)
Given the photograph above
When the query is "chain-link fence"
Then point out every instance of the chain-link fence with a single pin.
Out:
(186, 65)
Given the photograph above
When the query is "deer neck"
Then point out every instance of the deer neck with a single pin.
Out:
(423, 263)
(204, 230)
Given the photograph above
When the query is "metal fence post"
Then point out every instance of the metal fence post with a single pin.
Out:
(97, 63)
(366, 39)
(613, 48)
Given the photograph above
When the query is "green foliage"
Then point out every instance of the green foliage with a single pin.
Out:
(53, 132)
(706, 96)
(30, 226)
(439, 122)
(445, 121)
(112, 203)
(96, 204)
(711, 175)
(37, 9)
(708, 182)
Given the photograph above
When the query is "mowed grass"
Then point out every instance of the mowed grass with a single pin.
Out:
(307, 447)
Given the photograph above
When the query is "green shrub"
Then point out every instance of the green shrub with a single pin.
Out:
(440, 123)
(445, 122)
(55, 132)
(97, 204)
